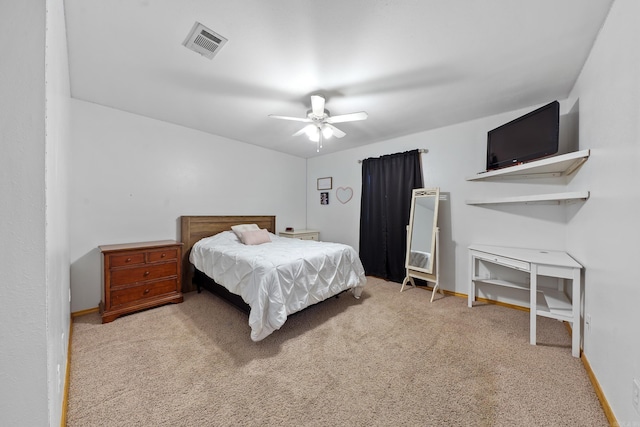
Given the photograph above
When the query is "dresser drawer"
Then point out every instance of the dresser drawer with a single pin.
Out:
(143, 273)
(164, 255)
(126, 259)
(144, 291)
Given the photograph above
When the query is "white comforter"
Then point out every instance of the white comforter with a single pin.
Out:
(280, 277)
(419, 258)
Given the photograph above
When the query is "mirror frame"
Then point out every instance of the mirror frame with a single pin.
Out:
(419, 193)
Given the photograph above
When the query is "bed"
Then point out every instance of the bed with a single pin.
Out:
(269, 281)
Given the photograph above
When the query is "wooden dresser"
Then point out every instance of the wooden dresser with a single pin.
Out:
(137, 276)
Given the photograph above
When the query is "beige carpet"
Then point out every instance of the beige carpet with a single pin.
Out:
(387, 359)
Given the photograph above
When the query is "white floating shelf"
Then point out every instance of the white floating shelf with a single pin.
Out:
(562, 165)
(537, 198)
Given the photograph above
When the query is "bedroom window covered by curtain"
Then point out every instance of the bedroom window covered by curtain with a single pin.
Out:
(387, 183)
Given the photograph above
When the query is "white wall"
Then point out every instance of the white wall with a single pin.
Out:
(604, 234)
(454, 153)
(23, 291)
(56, 200)
(133, 177)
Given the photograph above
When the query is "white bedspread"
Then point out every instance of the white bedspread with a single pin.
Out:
(419, 258)
(280, 277)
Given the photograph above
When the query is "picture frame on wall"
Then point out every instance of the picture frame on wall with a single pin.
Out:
(324, 198)
(325, 183)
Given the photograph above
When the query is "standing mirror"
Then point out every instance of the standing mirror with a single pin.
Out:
(422, 238)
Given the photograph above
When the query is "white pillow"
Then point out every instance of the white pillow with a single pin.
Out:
(240, 228)
(255, 237)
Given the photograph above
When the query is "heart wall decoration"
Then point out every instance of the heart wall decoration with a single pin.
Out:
(344, 194)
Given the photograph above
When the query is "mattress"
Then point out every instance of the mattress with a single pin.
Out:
(280, 277)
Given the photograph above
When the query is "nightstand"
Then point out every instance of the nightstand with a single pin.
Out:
(137, 276)
(301, 234)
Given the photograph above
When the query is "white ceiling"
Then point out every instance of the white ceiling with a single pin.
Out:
(413, 65)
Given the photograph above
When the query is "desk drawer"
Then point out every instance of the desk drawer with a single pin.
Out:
(508, 262)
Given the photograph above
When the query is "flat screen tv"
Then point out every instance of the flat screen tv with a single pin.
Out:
(526, 138)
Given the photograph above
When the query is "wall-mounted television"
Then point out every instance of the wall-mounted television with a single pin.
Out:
(526, 138)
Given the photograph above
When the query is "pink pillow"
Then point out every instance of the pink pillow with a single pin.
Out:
(240, 228)
(255, 237)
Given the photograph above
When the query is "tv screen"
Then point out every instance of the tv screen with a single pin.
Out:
(529, 137)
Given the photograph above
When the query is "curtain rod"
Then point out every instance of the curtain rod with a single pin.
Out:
(421, 151)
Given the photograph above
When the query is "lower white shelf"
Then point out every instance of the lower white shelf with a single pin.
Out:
(555, 304)
(536, 198)
(500, 282)
(550, 302)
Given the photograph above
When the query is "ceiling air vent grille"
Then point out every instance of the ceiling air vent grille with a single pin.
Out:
(204, 41)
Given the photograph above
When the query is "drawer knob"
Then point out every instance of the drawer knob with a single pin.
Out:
(128, 260)
(146, 273)
(146, 291)
(163, 255)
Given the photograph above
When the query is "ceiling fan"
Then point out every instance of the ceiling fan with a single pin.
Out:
(321, 122)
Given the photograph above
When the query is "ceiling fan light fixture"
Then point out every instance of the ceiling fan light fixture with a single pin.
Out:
(327, 132)
(311, 131)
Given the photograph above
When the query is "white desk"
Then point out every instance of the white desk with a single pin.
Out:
(543, 301)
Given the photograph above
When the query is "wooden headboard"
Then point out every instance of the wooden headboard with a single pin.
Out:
(194, 228)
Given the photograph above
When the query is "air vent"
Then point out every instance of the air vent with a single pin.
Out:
(204, 41)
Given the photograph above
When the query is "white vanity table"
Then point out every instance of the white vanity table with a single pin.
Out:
(543, 301)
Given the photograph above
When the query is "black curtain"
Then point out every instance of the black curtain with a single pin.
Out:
(387, 184)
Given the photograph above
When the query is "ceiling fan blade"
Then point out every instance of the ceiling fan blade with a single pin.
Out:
(296, 119)
(352, 117)
(317, 105)
(336, 132)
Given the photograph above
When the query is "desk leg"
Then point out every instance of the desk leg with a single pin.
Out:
(472, 285)
(575, 308)
(533, 304)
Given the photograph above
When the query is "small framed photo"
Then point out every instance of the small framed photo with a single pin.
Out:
(324, 198)
(325, 183)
